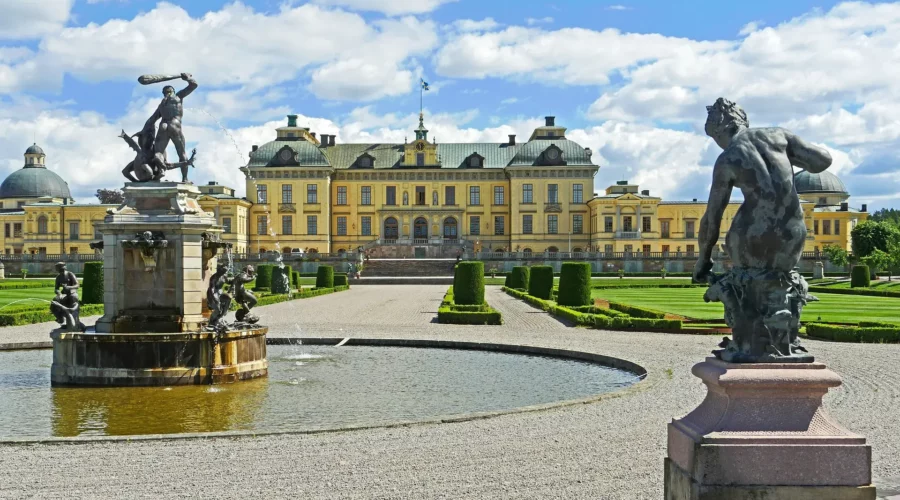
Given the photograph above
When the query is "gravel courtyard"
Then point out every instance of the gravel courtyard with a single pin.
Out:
(613, 448)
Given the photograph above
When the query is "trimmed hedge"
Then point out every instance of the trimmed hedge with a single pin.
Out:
(575, 284)
(466, 314)
(854, 291)
(264, 276)
(13, 285)
(325, 277)
(846, 333)
(278, 275)
(468, 283)
(92, 284)
(636, 312)
(599, 319)
(540, 282)
(340, 279)
(41, 314)
(295, 279)
(859, 277)
(519, 277)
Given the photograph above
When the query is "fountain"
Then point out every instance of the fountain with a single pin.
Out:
(160, 251)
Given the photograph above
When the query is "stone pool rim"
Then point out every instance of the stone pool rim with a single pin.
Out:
(522, 349)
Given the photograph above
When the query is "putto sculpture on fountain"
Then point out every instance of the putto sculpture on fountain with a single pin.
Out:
(65, 305)
(763, 294)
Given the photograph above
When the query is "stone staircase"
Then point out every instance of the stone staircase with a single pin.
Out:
(407, 271)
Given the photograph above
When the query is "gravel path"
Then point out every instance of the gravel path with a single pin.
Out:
(610, 449)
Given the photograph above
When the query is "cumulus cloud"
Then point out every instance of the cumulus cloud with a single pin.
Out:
(468, 25)
(389, 7)
(32, 19)
(232, 46)
(531, 21)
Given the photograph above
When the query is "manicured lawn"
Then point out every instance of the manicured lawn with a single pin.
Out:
(893, 286)
(12, 295)
(689, 302)
(608, 281)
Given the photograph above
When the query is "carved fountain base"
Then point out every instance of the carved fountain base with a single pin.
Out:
(762, 432)
(159, 251)
(158, 359)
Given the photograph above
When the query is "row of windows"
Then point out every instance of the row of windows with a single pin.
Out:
(647, 226)
(14, 230)
(826, 227)
(287, 225)
(689, 249)
(287, 195)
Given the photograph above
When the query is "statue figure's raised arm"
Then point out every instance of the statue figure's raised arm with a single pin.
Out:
(809, 157)
(711, 223)
(192, 85)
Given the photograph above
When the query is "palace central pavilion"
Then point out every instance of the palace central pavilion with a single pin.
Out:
(314, 194)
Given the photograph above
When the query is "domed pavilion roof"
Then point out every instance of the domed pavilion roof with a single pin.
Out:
(34, 181)
(823, 182)
(34, 149)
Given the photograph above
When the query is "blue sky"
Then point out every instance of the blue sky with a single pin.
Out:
(628, 78)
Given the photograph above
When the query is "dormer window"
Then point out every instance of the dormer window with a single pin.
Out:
(286, 156)
(552, 156)
(365, 161)
(475, 160)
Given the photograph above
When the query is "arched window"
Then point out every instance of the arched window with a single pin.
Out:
(42, 224)
(286, 250)
(341, 251)
(552, 250)
(576, 250)
(450, 228)
(262, 250)
(391, 231)
(312, 250)
(526, 251)
(420, 228)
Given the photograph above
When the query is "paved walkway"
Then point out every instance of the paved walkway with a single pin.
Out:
(610, 449)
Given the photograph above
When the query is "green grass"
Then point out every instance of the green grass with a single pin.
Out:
(689, 302)
(9, 296)
(892, 286)
(626, 282)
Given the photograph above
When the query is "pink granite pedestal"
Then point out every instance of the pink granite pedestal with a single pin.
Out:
(762, 433)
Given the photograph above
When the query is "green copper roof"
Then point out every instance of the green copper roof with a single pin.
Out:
(451, 155)
(34, 181)
(823, 182)
(530, 152)
(34, 149)
(305, 154)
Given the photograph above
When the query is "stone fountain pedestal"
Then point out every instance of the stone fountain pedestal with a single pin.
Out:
(762, 432)
(159, 250)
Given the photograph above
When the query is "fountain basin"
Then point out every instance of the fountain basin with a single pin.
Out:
(157, 359)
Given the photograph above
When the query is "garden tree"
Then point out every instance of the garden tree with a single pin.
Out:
(869, 236)
(877, 260)
(893, 259)
(114, 196)
(836, 255)
(890, 215)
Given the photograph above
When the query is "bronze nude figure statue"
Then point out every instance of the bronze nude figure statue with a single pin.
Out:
(763, 293)
(65, 305)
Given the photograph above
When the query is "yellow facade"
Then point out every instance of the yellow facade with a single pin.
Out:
(306, 193)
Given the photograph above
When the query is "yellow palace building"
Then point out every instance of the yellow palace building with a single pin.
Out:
(420, 198)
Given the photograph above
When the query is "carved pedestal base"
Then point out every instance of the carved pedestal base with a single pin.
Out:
(761, 432)
(762, 307)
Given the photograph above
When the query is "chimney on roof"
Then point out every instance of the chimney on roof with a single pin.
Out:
(845, 206)
(645, 192)
(331, 139)
(312, 134)
(550, 121)
(255, 147)
(292, 120)
(512, 139)
(695, 200)
(864, 208)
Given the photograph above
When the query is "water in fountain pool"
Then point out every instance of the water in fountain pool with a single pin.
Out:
(309, 387)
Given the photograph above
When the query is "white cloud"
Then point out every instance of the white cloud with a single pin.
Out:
(389, 7)
(469, 25)
(510, 100)
(232, 46)
(751, 27)
(32, 18)
(531, 21)
(618, 7)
